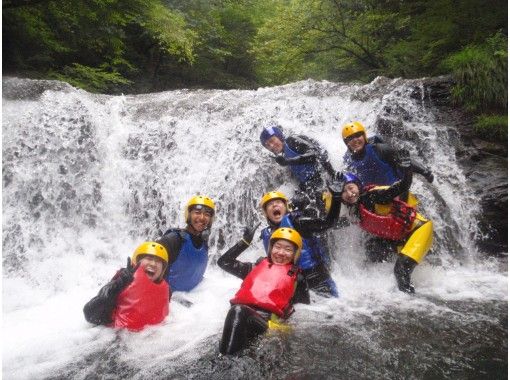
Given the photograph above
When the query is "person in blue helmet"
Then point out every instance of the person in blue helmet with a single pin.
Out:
(187, 248)
(315, 258)
(374, 162)
(392, 225)
(306, 159)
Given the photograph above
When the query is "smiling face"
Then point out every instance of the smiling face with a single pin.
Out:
(282, 252)
(350, 194)
(153, 266)
(200, 219)
(356, 142)
(274, 144)
(275, 210)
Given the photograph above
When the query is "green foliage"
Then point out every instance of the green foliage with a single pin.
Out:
(481, 74)
(492, 127)
(89, 39)
(150, 45)
(90, 78)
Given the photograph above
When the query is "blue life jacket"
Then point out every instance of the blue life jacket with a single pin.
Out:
(302, 172)
(188, 270)
(371, 170)
(312, 253)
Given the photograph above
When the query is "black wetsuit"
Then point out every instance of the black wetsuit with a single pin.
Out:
(243, 323)
(309, 152)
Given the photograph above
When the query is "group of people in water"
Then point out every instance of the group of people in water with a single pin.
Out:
(373, 192)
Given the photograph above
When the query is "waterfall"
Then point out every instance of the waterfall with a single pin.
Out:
(86, 178)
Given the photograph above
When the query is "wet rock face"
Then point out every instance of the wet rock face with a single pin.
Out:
(485, 165)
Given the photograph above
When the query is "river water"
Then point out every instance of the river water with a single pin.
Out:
(86, 178)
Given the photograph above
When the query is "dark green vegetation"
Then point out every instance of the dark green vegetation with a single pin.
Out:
(130, 46)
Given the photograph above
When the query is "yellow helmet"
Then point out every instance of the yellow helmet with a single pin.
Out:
(150, 248)
(196, 201)
(351, 128)
(290, 235)
(267, 197)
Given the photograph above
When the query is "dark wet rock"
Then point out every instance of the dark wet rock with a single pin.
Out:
(30, 89)
(485, 164)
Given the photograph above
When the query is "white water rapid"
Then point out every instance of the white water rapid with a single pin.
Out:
(86, 178)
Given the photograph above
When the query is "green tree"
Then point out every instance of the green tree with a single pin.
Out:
(87, 39)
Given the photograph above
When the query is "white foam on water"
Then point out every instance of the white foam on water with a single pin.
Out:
(90, 177)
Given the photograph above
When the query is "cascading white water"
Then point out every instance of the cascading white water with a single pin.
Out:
(86, 178)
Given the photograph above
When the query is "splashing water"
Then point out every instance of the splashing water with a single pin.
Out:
(87, 177)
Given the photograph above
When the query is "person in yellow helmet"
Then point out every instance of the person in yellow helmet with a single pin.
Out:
(315, 257)
(137, 295)
(270, 288)
(188, 248)
(371, 160)
(394, 226)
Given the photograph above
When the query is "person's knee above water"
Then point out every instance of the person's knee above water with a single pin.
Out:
(269, 289)
(303, 155)
(315, 258)
(379, 212)
(188, 247)
(374, 162)
(137, 295)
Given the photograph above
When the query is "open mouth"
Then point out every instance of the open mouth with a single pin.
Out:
(150, 272)
(277, 213)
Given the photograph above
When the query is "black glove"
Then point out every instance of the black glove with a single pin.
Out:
(299, 201)
(280, 160)
(249, 233)
(404, 159)
(126, 275)
(429, 176)
(339, 176)
(336, 189)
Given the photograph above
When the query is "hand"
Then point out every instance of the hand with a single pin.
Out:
(339, 176)
(280, 160)
(126, 275)
(249, 233)
(404, 158)
(429, 176)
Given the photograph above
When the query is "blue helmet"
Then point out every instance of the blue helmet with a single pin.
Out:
(271, 130)
(350, 178)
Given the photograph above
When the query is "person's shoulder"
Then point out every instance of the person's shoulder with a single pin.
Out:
(175, 232)
(375, 139)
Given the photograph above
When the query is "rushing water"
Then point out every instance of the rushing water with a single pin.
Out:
(86, 178)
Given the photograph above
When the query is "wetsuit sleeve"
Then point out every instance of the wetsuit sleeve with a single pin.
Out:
(386, 195)
(228, 261)
(307, 153)
(306, 225)
(387, 153)
(172, 242)
(99, 309)
(390, 155)
(302, 294)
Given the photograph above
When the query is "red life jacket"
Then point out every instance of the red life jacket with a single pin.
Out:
(394, 226)
(143, 302)
(269, 287)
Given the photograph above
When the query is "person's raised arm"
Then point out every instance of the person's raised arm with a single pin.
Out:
(228, 261)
